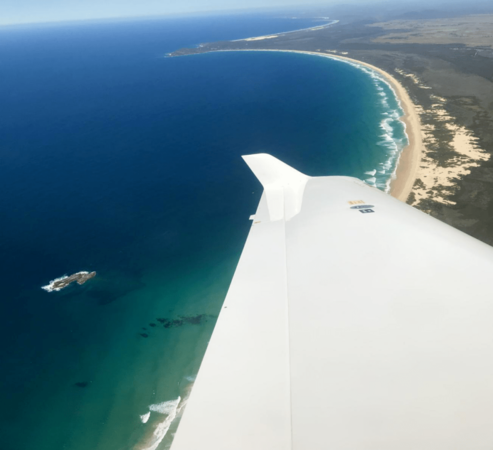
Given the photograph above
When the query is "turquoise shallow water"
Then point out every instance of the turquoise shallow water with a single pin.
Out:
(116, 159)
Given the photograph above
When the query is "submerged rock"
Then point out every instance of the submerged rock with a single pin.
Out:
(59, 283)
(82, 384)
(183, 320)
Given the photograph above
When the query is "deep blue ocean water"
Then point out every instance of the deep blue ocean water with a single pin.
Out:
(117, 159)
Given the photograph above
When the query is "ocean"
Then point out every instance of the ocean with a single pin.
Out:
(117, 159)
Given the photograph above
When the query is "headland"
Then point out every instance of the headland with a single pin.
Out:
(439, 64)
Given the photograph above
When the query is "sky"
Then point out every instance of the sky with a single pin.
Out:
(31, 11)
(36, 11)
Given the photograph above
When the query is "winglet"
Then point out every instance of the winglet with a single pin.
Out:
(283, 185)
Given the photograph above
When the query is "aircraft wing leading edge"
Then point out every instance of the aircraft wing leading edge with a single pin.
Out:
(353, 321)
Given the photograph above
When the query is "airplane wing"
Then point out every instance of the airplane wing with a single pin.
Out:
(353, 322)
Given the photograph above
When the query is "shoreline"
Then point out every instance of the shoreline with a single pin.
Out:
(408, 161)
(283, 33)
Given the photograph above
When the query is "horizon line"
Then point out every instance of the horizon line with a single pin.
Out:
(160, 16)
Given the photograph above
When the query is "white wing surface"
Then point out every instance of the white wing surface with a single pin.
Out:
(353, 322)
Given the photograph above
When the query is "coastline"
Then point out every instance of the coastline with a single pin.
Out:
(409, 159)
(284, 33)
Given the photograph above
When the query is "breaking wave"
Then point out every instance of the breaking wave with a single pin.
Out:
(172, 409)
(164, 407)
(51, 287)
(391, 127)
(160, 428)
(145, 417)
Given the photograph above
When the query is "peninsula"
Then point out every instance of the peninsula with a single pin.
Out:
(440, 64)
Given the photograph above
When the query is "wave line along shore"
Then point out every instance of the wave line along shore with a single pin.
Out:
(409, 159)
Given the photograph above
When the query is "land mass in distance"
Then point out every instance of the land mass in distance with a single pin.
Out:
(444, 60)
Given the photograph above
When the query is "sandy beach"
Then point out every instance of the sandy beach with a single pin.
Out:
(409, 160)
(436, 181)
(276, 35)
(445, 93)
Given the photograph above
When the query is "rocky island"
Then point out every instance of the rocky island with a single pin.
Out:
(59, 283)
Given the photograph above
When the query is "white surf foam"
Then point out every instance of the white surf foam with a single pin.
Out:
(394, 146)
(145, 417)
(174, 409)
(163, 427)
(390, 165)
(164, 407)
(50, 287)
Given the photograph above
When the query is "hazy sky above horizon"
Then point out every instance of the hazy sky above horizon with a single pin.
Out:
(35, 11)
(30, 11)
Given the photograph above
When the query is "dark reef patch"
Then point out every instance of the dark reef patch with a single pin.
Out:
(184, 320)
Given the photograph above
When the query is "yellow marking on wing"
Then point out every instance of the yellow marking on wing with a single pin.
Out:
(356, 202)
